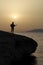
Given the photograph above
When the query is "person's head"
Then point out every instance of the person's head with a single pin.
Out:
(12, 22)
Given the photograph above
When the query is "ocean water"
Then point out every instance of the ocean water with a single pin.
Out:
(39, 51)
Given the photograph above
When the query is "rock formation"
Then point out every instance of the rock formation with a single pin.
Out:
(13, 47)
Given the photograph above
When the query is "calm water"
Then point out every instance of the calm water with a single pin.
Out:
(39, 52)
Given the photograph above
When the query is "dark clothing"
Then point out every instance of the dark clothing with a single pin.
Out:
(12, 27)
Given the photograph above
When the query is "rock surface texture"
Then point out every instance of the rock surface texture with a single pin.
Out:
(14, 46)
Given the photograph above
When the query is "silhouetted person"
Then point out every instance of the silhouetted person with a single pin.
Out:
(12, 26)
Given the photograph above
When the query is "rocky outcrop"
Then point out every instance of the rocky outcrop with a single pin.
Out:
(13, 47)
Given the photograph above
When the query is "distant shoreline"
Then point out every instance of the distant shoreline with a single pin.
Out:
(36, 31)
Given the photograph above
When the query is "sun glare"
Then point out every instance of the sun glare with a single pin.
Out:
(14, 17)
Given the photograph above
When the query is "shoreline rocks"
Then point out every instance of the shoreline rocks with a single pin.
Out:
(14, 46)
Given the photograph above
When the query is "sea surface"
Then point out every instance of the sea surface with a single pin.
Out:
(39, 51)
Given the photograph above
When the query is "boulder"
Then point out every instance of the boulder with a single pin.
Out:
(14, 46)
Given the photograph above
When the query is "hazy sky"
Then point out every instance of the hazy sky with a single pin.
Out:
(29, 14)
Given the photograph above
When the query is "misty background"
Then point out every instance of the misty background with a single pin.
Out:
(29, 14)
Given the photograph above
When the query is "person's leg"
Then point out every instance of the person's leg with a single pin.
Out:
(13, 30)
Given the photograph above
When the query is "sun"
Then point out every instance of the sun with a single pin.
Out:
(14, 17)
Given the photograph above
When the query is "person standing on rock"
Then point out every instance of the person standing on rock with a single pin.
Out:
(12, 27)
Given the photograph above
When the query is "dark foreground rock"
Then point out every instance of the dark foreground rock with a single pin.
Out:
(26, 60)
(14, 47)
